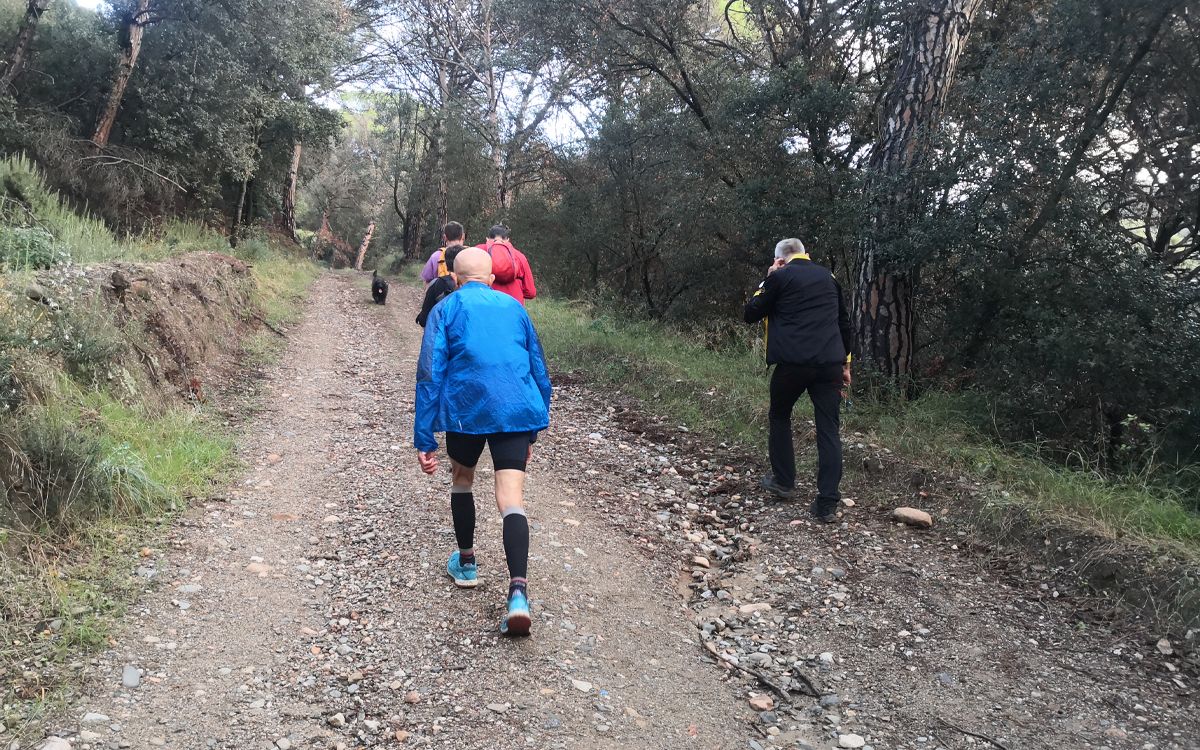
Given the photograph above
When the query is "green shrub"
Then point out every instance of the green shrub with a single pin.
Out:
(87, 339)
(26, 201)
(29, 249)
(58, 470)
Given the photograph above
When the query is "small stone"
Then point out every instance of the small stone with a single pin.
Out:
(851, 741)
(130, 677)
(762, 702)
(829, 701)
(258, 568)
(283, 743)
(749, 609)
(412, 697)
(353, 677)
(498, 707)
(1164, 647)
(401, 735)
(581, 686)
(759, 659)
(826, 658)
(913, 517)
(700, 561)
(768, 717)
(94, 718)
(371, 726)
(54, 743)
(946, 678)
(337, 720)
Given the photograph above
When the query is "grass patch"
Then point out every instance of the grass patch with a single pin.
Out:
(90, 476)
(283, 282)
(723, 394)
(65, 578)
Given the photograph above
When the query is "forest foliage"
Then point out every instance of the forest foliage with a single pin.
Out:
(1008, 190)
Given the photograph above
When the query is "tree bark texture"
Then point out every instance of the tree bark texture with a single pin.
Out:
(135, 28)
(236, 233)
(29, 24)
(442, 205)
(362, 249)
(884, 321)
(288, 219)
(493, 112)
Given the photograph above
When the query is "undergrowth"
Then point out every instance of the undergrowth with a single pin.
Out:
(88, 472)
(723, 394)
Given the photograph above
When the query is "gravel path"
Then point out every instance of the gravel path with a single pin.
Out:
(673, 608)
(309, 607)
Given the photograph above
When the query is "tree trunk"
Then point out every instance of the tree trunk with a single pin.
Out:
(236, 232)
(362, 249)
(883, 308)
(288, 220)
(135, 28)
(442, 206)
(493, 113)
(29, 24)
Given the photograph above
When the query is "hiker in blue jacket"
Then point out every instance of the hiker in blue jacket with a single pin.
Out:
(482, 379)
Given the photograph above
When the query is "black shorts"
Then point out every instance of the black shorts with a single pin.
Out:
(509, 449)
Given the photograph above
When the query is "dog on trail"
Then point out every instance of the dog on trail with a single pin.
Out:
(379, 288)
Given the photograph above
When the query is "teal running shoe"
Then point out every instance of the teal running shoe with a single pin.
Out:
(465, 576)
(517, 621)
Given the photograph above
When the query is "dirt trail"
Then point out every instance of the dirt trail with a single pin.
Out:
(309, 607)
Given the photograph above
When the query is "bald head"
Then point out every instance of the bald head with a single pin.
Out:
(474, 264)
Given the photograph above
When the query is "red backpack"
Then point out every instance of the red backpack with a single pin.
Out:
(504, 264)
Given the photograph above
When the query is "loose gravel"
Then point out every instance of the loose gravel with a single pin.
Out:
(674, 607)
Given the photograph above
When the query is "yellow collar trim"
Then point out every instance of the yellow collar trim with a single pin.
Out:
(798, 256)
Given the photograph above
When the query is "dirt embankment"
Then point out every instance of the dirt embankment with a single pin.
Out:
(180, 321)
(150, 335)
(192, 310)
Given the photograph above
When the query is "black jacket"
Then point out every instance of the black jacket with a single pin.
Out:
(438, 289)
(807, 322)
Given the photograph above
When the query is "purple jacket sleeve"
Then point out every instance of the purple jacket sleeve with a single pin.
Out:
(429, 272)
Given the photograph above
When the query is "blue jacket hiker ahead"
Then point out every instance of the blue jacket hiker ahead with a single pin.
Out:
(482, 380)
(481, 369)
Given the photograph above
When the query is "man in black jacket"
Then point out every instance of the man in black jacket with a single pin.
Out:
(808, 340)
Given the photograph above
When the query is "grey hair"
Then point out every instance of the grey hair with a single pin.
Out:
(790, 246)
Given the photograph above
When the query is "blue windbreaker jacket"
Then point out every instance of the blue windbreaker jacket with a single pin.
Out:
(481, 369)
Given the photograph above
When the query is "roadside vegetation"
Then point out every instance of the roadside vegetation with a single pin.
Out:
(722, 392)
(98, 449)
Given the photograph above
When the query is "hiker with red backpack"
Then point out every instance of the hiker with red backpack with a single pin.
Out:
(511, 268)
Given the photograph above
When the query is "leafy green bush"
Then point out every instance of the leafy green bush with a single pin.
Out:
(29, 249)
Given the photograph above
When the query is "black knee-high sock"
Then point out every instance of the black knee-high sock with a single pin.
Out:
(462, 509)
(516, 548)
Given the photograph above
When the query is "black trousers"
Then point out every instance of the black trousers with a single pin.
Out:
(824, 385)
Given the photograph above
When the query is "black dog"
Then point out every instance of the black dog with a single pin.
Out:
(379, 288)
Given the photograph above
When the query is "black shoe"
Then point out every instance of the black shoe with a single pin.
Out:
(772, 485)
(824, 515)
